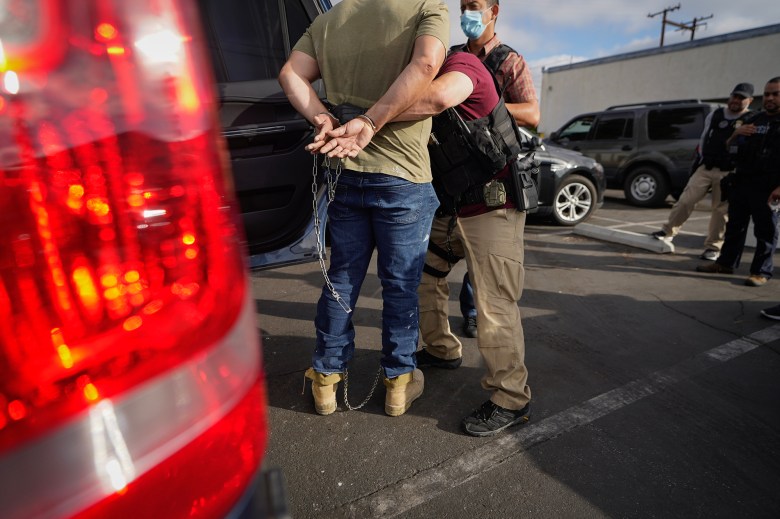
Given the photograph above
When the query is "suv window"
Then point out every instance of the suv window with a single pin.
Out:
(614, 127)
(297, 20)
(578, 129)
(251, 39)
(678, 123)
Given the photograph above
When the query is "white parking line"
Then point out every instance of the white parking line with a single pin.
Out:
(426, 485)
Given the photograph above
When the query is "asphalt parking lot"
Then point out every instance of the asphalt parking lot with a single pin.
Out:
(655, 393)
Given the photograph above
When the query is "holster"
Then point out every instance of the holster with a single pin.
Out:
(524, 180)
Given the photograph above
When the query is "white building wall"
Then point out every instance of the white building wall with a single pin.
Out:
(704, 69)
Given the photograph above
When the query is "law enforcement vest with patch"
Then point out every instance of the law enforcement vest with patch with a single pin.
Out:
(715, 153)
(758, 155)
(468, 153)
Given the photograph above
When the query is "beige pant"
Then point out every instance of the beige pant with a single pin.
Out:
(700, 182)
(492, 244)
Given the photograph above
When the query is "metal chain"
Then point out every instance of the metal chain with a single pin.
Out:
(370, 393)
(331, 185)
(331, 189)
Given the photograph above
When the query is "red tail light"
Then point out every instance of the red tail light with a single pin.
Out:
(126, 330)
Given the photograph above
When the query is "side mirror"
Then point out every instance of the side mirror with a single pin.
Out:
(554, 136)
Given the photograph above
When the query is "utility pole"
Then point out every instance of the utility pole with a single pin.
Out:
(664, 22)
(692, 25)
(685, 26)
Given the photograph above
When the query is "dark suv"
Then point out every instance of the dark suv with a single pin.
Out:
(646, 149)
(249, 41)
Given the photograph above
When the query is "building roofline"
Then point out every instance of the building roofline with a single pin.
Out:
(676, 47)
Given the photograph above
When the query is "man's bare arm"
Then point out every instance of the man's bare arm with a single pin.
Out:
(526, 114)
(296, 78)
(417, 76)
(446, 91)
(427, 58)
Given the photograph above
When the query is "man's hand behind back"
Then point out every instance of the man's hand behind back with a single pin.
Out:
(345, 141)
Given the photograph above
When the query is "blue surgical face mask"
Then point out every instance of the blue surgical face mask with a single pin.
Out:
(471, 23)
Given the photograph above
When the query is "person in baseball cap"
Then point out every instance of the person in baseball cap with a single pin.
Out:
(713, 162)
(744, 90)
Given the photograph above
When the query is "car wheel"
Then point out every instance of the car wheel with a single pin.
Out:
(575, 200)
(646, 186)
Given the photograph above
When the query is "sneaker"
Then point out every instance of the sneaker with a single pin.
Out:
(756, 281)
(710, 255)
(772, 313)
(490, 419)
(715, 268)
(470, 327)
(426, 360)
(661, 235)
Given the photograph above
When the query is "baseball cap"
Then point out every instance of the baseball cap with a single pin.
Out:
(743, 89)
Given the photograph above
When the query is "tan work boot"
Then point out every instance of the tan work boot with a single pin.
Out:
(402, 391)
(323, 387)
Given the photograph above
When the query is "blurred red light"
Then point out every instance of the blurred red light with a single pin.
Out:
(118, 261)
(17, 410)
(106, 32)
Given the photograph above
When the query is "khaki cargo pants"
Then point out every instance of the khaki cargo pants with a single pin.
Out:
(702, 181)
(492, 244)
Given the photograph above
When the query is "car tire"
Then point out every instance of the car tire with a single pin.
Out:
(574, 201)
(646, 186)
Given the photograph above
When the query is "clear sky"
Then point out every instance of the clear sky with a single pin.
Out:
(557, 32)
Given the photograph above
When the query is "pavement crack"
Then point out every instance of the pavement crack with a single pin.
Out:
(740, 316)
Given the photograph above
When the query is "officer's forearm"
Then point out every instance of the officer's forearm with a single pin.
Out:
(525, 114)
(448, 90)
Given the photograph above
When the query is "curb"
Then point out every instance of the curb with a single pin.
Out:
(632, 239)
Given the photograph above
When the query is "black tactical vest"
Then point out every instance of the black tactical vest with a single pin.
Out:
(758, 155)
(715, 153)
(468, 153)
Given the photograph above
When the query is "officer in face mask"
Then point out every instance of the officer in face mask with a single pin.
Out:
(478, 21)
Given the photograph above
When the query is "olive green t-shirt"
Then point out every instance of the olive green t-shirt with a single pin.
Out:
(361, 47)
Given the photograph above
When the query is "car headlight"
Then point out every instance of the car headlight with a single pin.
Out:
(558, 166)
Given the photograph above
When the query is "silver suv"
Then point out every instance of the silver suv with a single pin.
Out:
(647, 149)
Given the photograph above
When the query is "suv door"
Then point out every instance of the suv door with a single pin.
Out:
(249, 41)
(606, 137)
(610, 141)
(675, 133)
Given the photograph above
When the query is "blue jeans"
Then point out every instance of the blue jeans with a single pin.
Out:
(467, 307)
(372, 210)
